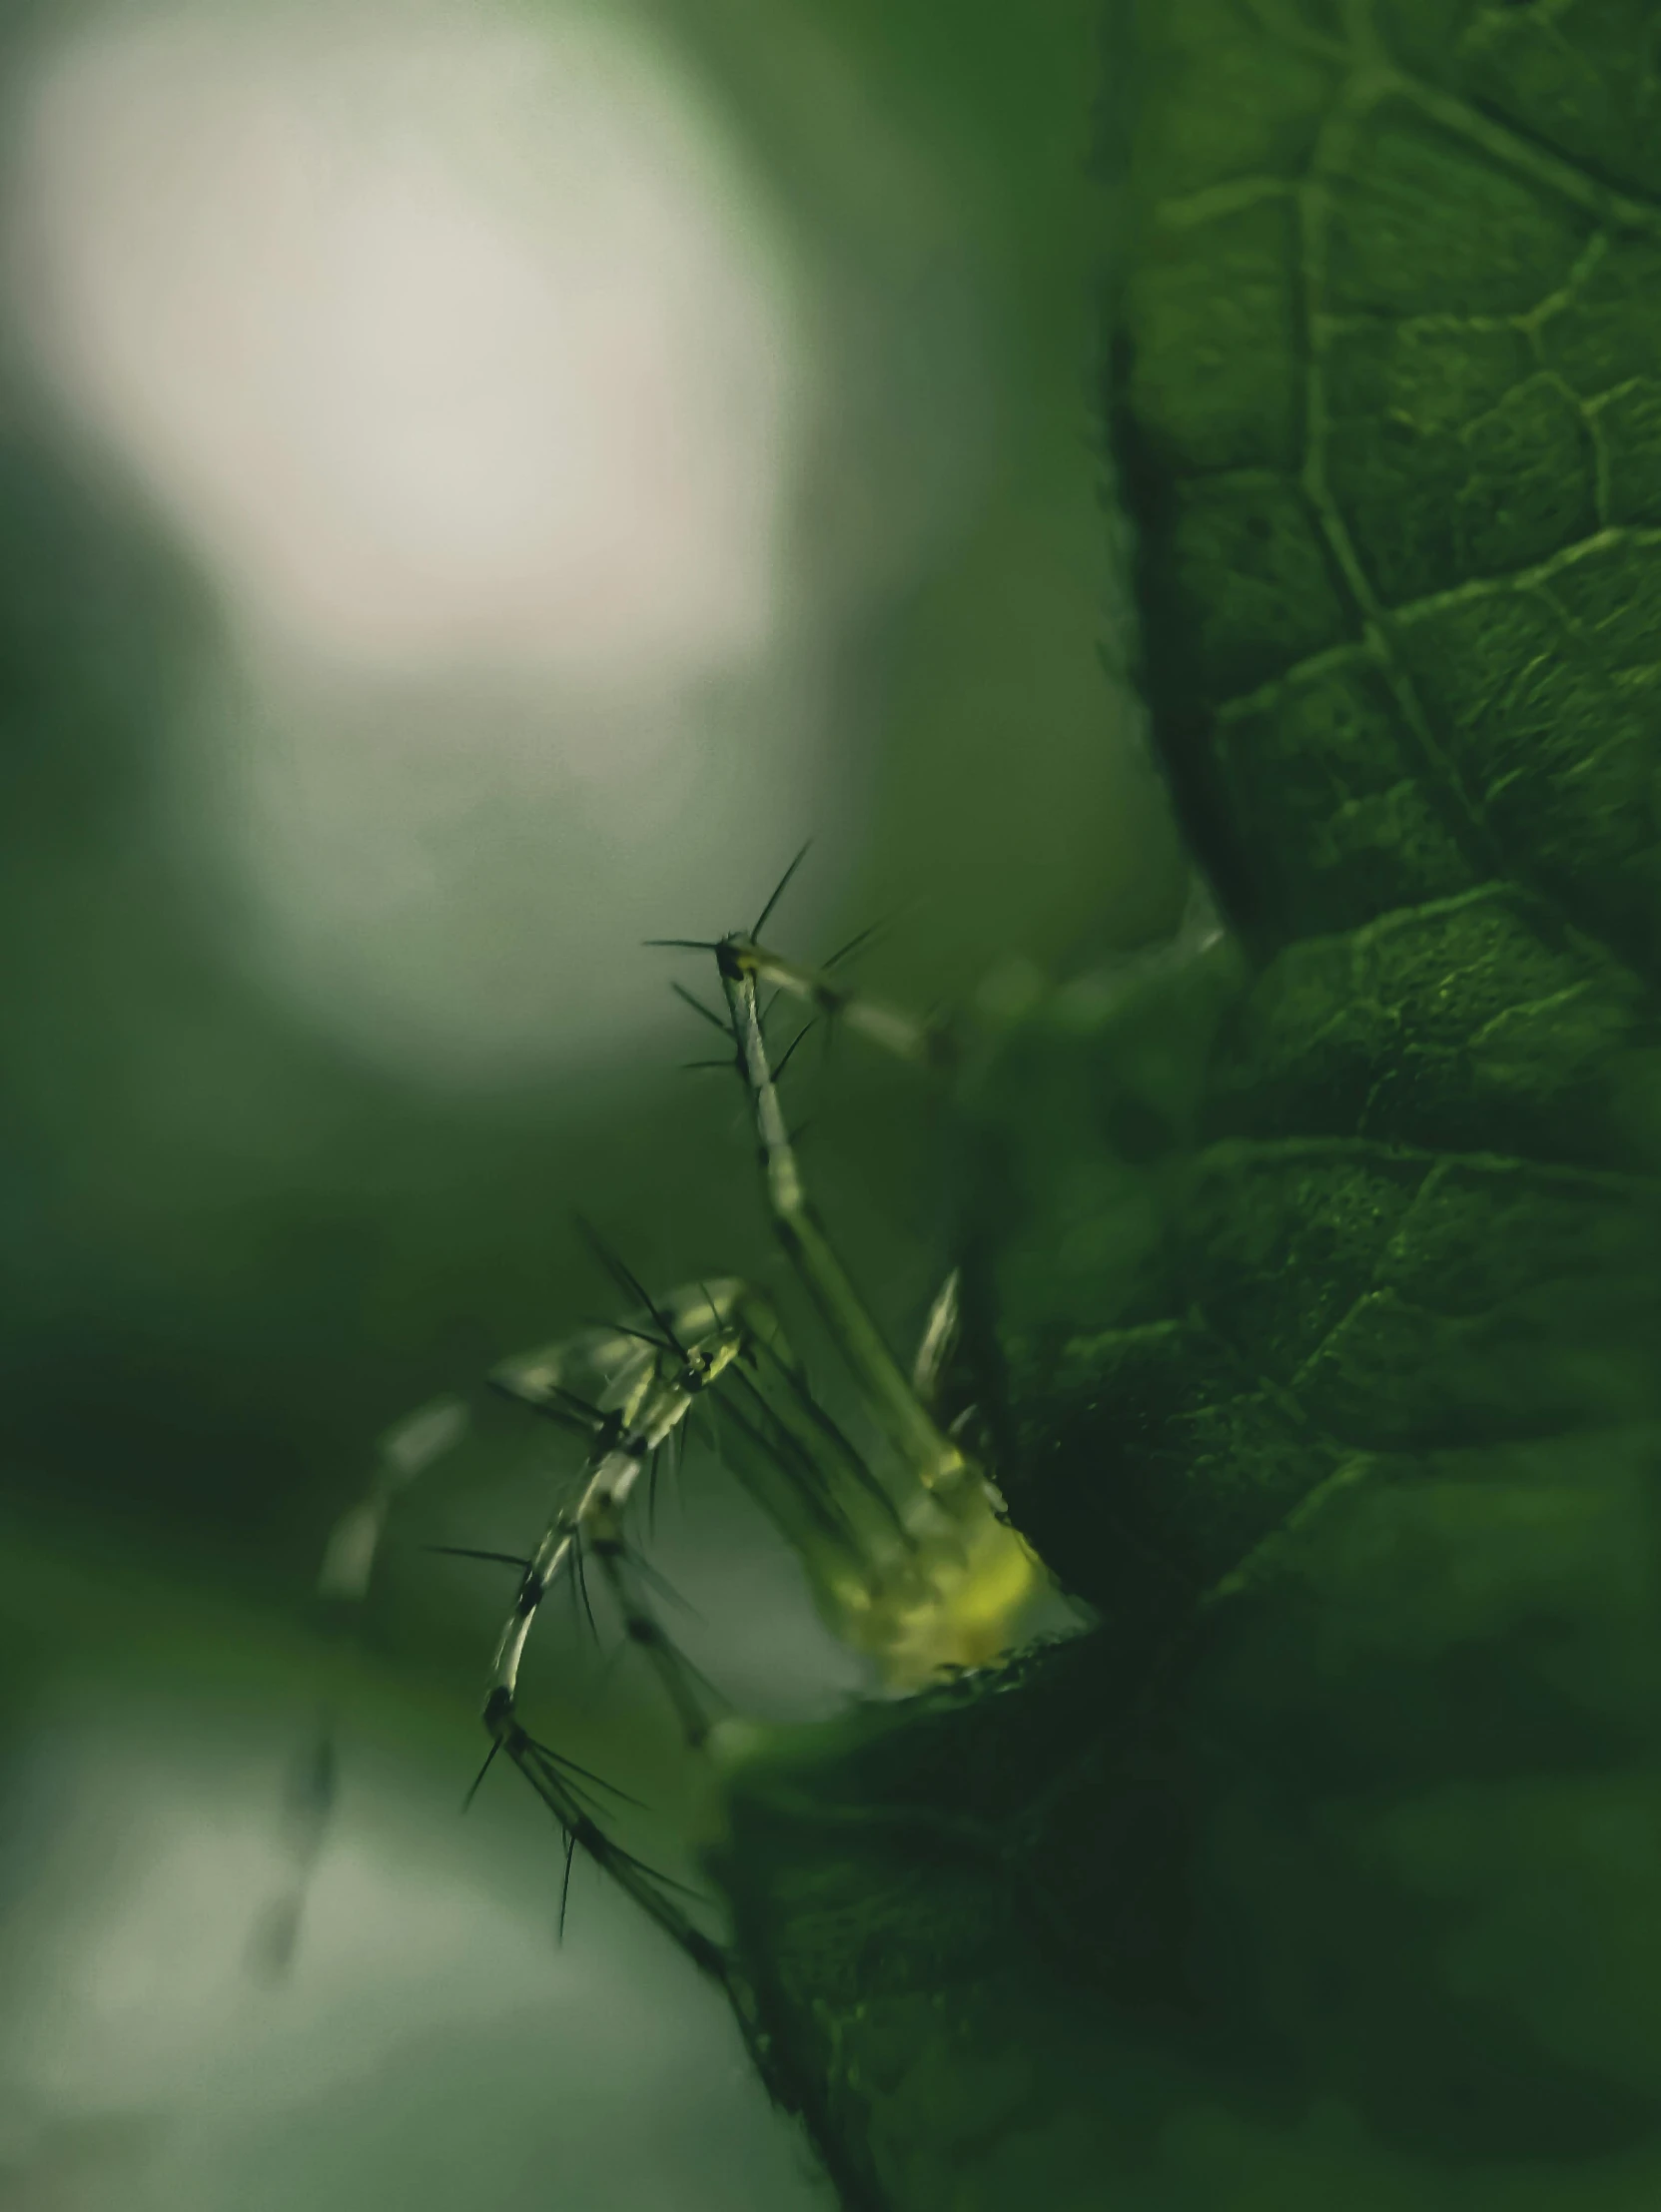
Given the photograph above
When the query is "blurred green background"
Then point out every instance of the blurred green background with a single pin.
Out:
(478, 487)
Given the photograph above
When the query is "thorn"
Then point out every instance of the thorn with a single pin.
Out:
(566, 1882)
(563, 1766)
(626, 1279)
(688, 997)
(649, 1633)
(553, 1774)
(562, 1407)
(801, 1388)
(678, 1439)
(495, 1745)
(700, 1066)
(845, 952)
(784, 1063)
(579, 1406)
(641, 1336)
(589, 1414)
(784, 1447)
(778, 891)
(709, 1407)
(682, 944)
(541, 1409)
(659, 1583)
(653, 1875)
(461, 1551)
(581, 1580)
(795, 1460)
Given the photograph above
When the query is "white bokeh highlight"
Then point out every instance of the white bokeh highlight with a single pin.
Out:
(443, 340)
(475, 372)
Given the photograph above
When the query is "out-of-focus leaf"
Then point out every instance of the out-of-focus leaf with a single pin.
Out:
(1317, 1274)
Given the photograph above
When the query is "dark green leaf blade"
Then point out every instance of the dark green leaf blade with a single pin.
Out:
(1316, 1298)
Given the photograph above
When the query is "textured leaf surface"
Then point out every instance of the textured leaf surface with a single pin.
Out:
(1316, 1285)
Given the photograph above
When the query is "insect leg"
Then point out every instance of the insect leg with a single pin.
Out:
(640, 1625)
(550, 1778)
(929, 1455)
(404, 1452)
(923, 1044)
(661, 1404)
(595, 1518)
(953, 1594)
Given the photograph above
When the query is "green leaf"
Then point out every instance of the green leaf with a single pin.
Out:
(1314, 1272)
